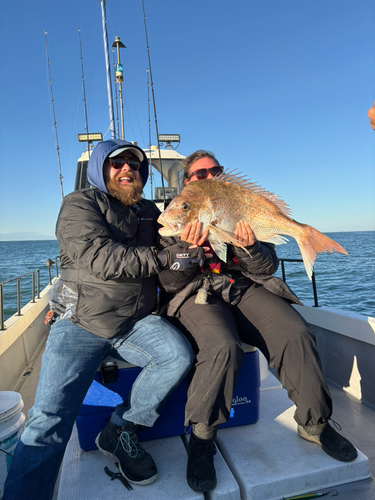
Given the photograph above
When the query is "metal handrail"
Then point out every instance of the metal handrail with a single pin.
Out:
(313, 282)
(34, 296)
(50, 263)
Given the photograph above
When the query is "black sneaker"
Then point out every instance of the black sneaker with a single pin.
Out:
(135, 464)
(335, 445)
(201, 475)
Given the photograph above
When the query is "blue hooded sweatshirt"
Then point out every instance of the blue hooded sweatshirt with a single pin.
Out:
(101, 151)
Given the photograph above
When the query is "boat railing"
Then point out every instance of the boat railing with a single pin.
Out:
(35, 280)
(313, 281)
(34, 290)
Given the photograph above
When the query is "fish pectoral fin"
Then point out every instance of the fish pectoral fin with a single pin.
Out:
(220, 247)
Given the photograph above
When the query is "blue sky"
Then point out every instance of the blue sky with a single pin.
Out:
(276, 88)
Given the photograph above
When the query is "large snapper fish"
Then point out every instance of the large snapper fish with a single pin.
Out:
(221, 202)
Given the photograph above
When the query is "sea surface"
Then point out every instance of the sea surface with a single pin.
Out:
(18, 258)
(344, 282)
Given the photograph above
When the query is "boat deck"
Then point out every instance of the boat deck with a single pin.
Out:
(262, 461)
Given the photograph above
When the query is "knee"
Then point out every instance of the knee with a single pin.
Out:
(179, 356)
(226, 353)
(300, 339)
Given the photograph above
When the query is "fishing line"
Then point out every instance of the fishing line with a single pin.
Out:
(128, 93)
(6, 453)
(54, 117)
(154, 104)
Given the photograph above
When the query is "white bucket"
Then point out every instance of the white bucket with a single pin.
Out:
(11, 425)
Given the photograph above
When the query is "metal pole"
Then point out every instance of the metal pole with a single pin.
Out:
(18, 297)
(38, 283)
(283, 270)
(33, 287)
(119, 79)
(314, 290)
(1, 308)
(108, 71)
(120, 95)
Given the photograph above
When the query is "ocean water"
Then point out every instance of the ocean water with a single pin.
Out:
(344, 282)
(18, 258)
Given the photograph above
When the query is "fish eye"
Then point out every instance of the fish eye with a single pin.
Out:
(185, 206)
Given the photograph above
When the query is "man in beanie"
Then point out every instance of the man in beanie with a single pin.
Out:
(103, 303)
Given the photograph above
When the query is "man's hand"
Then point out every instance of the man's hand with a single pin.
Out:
(192, 234)
(244, 235)
(178, 258)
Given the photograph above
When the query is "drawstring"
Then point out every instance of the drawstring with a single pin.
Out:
(336, 424)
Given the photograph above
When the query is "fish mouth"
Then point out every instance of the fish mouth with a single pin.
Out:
(168, 229)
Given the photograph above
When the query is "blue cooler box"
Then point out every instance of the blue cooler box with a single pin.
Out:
(101, 399)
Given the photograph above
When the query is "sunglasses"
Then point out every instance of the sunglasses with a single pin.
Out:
(120, 162)
(203, 172)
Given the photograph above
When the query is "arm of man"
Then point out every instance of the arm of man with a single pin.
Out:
(190, 243)
(86, 239)
(262, 258)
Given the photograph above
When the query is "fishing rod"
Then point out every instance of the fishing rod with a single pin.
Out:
(149, 136)
(154, 104)
(54, 117)
(84, 94)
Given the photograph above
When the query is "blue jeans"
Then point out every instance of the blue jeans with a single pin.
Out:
(70, 361)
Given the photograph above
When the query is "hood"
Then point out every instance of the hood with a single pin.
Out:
(100, 153)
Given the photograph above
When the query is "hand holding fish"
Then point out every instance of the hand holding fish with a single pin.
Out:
(244, 235)
(192, 234)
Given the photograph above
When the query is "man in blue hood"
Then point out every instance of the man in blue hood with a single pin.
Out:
(103, 304)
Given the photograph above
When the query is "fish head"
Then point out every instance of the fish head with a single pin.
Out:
(185, 208)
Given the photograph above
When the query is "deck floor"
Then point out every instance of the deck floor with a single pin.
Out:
(356, 419)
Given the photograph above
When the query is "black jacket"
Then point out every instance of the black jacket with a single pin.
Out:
(108, 255)
(236, 275)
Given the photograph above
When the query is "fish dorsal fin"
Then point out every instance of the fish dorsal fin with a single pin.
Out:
(242, 181)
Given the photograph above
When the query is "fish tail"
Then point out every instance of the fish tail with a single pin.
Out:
(311, 242)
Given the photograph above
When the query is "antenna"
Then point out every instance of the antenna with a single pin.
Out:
(84, 93)
(54, 118)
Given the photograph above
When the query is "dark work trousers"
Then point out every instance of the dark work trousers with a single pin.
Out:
(263, 320)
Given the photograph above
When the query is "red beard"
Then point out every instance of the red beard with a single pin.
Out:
(127, 195)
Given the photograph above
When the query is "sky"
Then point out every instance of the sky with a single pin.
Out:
(278, 89)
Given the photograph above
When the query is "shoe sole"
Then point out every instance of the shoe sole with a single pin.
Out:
(109, 454)
(201, 490)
